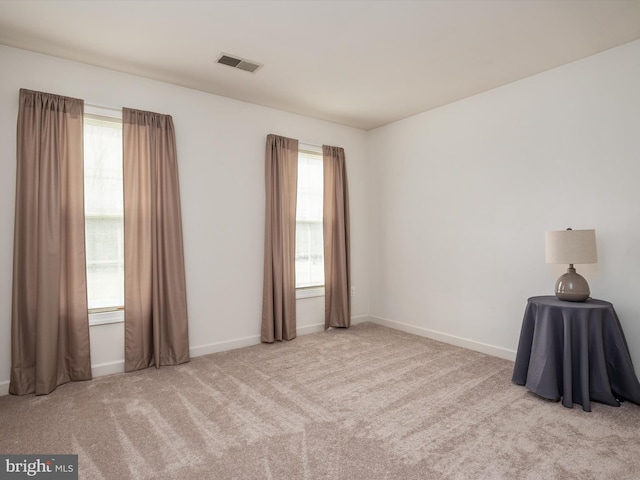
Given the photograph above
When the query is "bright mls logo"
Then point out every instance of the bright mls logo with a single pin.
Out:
(51, 467)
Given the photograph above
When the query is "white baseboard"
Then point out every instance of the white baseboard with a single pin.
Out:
(307, 329)
(255, 339)
(447, 338)
(200, 350)
(224, 346)
(319, 327)
(360, 319)
(110, 368)
(96, 371)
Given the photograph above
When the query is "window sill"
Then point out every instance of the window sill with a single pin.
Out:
(105, 318)
(309, 292)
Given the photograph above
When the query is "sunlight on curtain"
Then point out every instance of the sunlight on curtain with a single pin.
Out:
(49, 318)
(155, 319)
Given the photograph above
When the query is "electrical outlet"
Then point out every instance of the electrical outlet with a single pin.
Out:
(353, 291)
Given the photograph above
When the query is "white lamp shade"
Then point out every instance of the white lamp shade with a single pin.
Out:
(571, 246)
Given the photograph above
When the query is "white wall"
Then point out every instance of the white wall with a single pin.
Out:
(460, 198)
(221, 144)
(448, 214)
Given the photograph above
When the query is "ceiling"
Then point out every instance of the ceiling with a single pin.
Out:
(357, 63)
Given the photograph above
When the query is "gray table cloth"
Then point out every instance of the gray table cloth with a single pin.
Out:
(575, 351)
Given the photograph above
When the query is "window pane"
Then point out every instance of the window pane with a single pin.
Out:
(104, 212)
(309, 239)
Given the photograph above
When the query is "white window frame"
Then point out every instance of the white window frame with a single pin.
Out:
(105, 316)
(314, 291)
(309, 292)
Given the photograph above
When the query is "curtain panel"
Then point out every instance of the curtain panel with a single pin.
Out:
(156, 324)
(337, 256)
(279, 287)
(49, 316)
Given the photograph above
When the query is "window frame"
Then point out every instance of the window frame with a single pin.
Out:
(312, 290)
(106, 315)
(309, 292)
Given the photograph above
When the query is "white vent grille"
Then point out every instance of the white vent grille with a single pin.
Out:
(238, 62)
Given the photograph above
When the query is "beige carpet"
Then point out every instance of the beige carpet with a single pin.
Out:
(364, 403)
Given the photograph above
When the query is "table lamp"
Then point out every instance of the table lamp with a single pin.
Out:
(572, 247)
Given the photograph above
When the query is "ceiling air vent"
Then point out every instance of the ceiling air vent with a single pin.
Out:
(237, 62)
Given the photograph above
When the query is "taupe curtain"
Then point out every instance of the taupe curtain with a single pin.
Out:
(279, 290)
(49, 317)
(337, 268)
(155, 306)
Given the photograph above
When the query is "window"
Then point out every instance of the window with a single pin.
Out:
(309, 239)
(104, 217)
